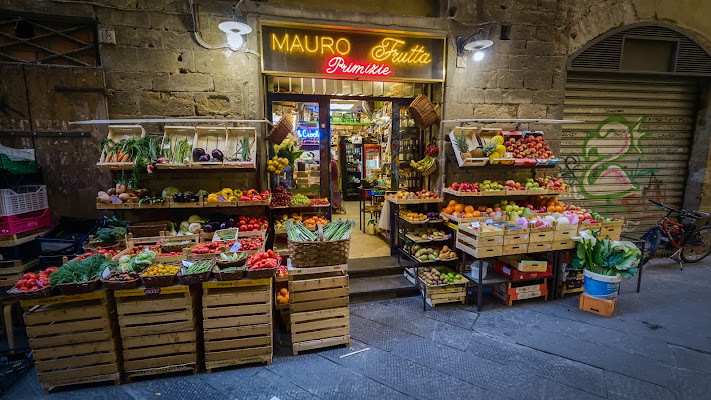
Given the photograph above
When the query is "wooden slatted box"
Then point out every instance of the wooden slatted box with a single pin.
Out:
(158, 330)
(318, 305)
(73, 339)
(487, 241)
(237, 322)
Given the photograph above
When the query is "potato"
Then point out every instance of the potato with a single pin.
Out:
(111, 191)
(452, 254)
(120, 188)
(124, 197)
(105, 200)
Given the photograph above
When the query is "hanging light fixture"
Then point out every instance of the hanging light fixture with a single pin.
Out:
(235, 30)
(475, 43)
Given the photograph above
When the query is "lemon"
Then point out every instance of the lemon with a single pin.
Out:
(498, 140)
(501, 149)
(494, 154)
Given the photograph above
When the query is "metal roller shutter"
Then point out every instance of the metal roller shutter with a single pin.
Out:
(634, 145)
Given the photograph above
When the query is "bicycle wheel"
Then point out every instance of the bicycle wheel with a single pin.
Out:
(701, 237)
(653, 237)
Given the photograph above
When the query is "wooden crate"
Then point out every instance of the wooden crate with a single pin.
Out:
(158, 330)
(565, 232)
(233, 150)
(73, 339)
(12, 271)
(597, 306)
(524, 264)
(508, 293)
(118, 133)
(563, 244)
(171, 136)
(539, 236)
(318, 306)
(518, 238)
(210, 138)
(590, 227)
(443, 294)
(613, 232)
(540, 247)
(478, 252)
(237, 322)
(519, 248)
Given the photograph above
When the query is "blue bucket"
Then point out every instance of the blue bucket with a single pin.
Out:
(601, 286)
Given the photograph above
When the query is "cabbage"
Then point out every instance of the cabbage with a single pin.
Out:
(170, 191)
(194, 227)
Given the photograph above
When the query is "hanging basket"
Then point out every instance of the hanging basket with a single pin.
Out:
(429, 170)
(280, 131)
(423, 112)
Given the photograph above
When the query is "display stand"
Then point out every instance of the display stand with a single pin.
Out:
(237, 322)
(158, 330)
(503, 287)
(318, 307)
(72, 339)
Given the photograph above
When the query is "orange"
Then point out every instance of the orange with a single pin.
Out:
(468, 215)
(449, 210)
(476, 214)
(468, 209)
(284, 292)
(452, 203)
(550, 208)
(459, 208)
(559, 208)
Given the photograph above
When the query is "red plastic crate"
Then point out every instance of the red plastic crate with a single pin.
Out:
(12, 224)
(516, 275)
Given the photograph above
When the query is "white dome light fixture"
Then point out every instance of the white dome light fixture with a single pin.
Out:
(234, 31)
(474, 43)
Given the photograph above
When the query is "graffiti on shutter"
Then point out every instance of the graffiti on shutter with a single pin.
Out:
(633, 147)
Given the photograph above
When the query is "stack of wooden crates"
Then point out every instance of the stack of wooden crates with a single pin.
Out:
(237, 322)
(73, 339)
(318, 306)
(158, 330)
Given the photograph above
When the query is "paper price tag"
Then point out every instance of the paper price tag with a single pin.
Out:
(187, 264)
(235, 247)
(115, 200)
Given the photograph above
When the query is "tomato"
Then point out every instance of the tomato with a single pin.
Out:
(29, 275)
(23, 289)
(35, 287)
(21, 282)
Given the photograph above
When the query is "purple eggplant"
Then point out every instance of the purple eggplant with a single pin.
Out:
(204, 158)
(232, 222)
(197, 153)
(217, 154)
(224, 225)
(207, 228)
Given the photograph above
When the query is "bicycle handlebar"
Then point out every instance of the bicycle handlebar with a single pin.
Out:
(682, 213)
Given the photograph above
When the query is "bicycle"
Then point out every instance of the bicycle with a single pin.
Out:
(693, 243)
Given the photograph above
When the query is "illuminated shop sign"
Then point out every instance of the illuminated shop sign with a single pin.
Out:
(337, 52)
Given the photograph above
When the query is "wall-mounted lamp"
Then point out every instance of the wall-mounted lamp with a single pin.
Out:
(234, 29)
(475, 43)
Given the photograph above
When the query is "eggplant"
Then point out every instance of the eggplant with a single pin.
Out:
(217, 154)
(224, 225)
(204, 158)
(214, 225)
(179, 198)
(197, 153)
(232, 222)
(207, 228)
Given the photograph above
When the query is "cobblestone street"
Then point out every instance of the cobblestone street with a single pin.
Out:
(656, 346)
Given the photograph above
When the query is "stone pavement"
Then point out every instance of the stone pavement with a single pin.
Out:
(657, 345)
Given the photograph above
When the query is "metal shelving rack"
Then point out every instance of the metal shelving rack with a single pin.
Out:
(555, 257)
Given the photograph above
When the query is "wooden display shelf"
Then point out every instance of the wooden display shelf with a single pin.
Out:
(565, 290)
(498, 193)
(73, 342)
(318, 306)
(158, 330)
(237, 322)
(299, 206)
(413, 201)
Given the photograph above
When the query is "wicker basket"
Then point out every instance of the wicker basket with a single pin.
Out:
(237, 263)
(68, 289)
(35, 294)
(233, 275)
(319, 254)
(280, 131)
(192, 279)
(423, 112)
(121, 285)
(177, 247)
(260, 273)
(430, 170)
(158, 281)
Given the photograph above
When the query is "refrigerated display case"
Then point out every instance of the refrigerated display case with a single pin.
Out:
(351, 168)
(371, 159)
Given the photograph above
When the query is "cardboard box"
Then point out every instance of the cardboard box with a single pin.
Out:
(597, 306)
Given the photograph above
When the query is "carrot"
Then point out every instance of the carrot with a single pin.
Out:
(108, 158)
(124, 158)
(113, 158)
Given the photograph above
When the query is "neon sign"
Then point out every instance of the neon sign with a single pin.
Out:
(290, 49)
(307, 134)
(337, 65)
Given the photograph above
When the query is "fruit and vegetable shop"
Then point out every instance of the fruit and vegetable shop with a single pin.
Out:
(200, 236)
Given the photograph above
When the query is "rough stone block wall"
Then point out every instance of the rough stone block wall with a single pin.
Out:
(522, 77)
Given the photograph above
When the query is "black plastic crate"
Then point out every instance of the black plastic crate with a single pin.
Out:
(14, 364)
(67, 237)
(26, 251)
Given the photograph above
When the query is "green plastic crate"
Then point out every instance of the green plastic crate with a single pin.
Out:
(17, 167)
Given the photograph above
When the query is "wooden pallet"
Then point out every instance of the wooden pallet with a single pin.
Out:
(318, 306)
(74, 342)
(237, 322)
(158, 330)
(21, 238)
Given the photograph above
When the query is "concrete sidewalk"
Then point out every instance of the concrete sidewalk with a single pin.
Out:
(657, 345)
